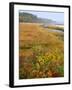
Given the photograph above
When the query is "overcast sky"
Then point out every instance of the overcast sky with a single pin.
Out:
(56, 16)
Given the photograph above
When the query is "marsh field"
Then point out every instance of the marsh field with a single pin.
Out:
(41, 50)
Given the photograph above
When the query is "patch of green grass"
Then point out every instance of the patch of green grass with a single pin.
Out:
(56, 28)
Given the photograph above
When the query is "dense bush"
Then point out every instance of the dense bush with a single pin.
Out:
(43, 64)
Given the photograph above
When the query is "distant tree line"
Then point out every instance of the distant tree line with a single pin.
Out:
(27, 17)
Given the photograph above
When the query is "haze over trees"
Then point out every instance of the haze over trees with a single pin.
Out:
(27, 17)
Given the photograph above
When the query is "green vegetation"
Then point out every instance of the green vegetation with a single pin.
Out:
(56, 28)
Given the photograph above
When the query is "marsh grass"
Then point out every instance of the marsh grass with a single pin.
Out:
(41, 53)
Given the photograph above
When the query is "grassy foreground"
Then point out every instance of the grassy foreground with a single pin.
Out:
(41, 53)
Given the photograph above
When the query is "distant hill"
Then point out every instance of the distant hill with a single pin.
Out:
(30, 18)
